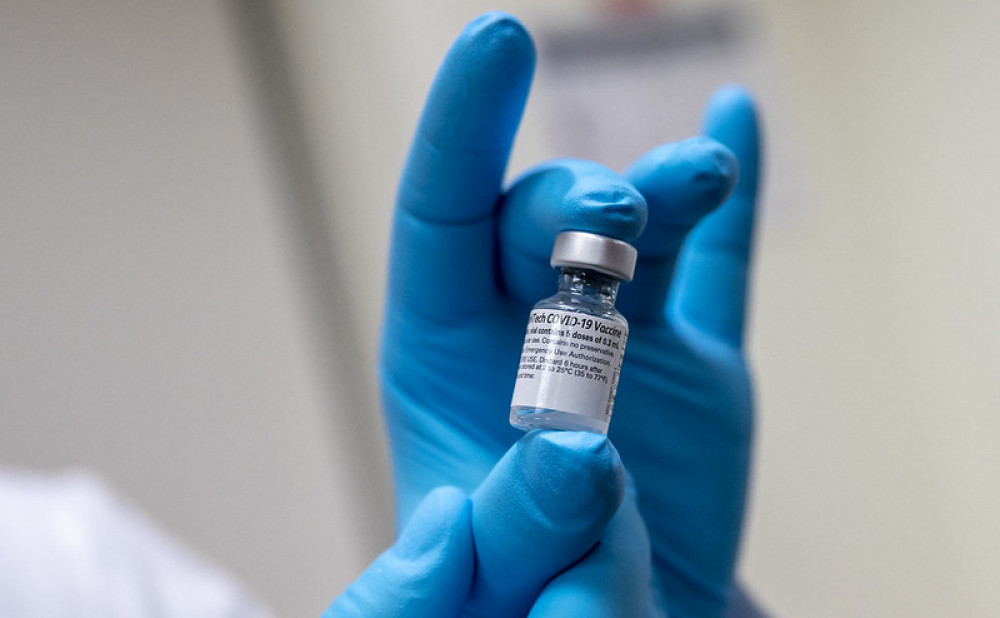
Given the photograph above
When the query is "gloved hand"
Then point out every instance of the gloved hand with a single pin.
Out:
(539, 510)
(468, 261)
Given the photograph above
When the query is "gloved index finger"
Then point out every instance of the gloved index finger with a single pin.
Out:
(441, 262)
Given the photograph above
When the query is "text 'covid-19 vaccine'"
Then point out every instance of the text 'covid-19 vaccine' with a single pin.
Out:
(575, 340)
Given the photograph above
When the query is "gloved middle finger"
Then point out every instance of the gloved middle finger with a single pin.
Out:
(564, 194)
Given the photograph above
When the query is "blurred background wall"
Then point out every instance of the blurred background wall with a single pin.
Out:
(194, 205)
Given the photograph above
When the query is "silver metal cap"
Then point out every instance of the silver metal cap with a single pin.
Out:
(595, 252)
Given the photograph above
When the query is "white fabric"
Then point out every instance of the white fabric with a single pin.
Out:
(70, 547)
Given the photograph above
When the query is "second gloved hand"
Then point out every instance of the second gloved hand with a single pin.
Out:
(541, 508)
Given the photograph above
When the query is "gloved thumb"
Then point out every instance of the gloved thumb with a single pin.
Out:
(542, 507)
(426, 574)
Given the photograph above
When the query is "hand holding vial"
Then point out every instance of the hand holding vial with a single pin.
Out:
(501, 523)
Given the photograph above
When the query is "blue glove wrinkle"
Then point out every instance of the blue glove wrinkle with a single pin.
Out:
(413, 291)
(426, 574)
(550, 497)
(416, 432)
(464, 191)
(426, 359)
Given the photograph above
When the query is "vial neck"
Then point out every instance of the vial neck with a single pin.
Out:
(590, 283)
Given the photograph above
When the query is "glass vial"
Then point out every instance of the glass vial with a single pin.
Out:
(575, 340)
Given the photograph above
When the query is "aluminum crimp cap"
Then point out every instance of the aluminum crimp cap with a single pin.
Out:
(595, 252)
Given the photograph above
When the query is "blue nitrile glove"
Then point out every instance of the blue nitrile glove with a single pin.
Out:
(541, 508)
(468, 262)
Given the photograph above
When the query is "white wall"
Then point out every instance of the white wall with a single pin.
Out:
(153, 318)
(878, 484)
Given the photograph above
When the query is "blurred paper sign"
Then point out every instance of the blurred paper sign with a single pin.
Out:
(612, 89)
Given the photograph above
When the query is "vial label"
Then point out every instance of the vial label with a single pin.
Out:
(570, 362)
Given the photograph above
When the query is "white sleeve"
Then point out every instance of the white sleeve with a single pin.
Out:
(70, 547)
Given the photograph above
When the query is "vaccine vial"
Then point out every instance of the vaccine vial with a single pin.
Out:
(575, 340)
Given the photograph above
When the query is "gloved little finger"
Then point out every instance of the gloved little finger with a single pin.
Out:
(427, 573)
(711, 283)
(613, 580)
(543, 507)
(564, 194)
